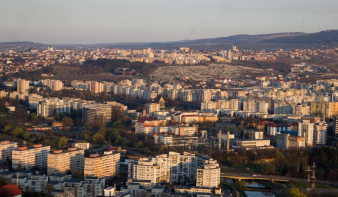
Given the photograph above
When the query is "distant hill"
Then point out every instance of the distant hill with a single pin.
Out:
(324, 37)
(292, 40)
(20, 45)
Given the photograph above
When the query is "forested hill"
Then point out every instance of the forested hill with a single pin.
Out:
(329, 37)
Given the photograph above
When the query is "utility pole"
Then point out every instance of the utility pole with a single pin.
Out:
(228, 141)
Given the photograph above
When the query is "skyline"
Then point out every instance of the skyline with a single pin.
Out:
(86, 22)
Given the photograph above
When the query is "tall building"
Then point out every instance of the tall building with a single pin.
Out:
(173, 167)
(59, 162)
(208, 175)
(336, 127)
(287, 141)
(96, 87)
(320, 133)
(96, 114)
(306, 129)
(24, 158)
(6, 148)
(100, 166)
(49, 107)
(22, 86)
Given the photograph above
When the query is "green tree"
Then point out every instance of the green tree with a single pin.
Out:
(7, 128)
(26, 135)
(294, 192)
(67, 123)
(98, 138)
(139, 144)
(32, 117)
(86, 137)
(62, 142)
(16, 132)
(240, 185)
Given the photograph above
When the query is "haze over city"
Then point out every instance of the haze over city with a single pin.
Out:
(106, 21)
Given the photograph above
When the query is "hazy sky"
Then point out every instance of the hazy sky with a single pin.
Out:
(109, 21)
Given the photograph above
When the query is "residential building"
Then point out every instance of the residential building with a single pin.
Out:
(101, 166)
(60, 162)
(208, 175)
(24, 158)
(6, 148)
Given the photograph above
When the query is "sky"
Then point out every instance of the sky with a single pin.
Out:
(115, 21)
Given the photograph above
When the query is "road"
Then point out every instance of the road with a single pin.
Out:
(270, 178)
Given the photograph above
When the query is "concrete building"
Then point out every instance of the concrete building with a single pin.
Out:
(106, 165)
(306, 129)
(174, 167)
(49, 107)
(320, 133)
(22, 86)
(208, 175)
(96, 114)
(60, 162)
(6, 148)
(81, 145)
(24, 158)
(286, 141)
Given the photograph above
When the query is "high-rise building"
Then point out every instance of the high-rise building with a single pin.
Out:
(208, 175)
(306, 129)
(96, 114)
(106, 165)
(173, 167)
(22, 86)
(320, 133)
(24, 158)
(6, 148)
(59, 162)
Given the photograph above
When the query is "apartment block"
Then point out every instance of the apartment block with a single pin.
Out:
(6, 148)
(286, 141)
(208, 175)
(22, 86)
(173, 167)
(59, 162)
(25, 158)
(106, 165)
(96, 114)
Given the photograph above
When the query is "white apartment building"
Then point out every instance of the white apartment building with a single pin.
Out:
(24, 158)
(208, 175)
(172, 167)
(48, 107)
(81, 145)
(59, 162)
(106, 165)
(320, 133)
(306, 129)
(6, 148)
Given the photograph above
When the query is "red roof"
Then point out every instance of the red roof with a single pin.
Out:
(9, 191)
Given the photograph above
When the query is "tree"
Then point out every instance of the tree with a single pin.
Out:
(98, 138)
(16, 132)
(7, 128)
(86, 137)
(139, 144)
(62, 142)
(67, 123)
(26, 135)
(240, 185)
(294, 192)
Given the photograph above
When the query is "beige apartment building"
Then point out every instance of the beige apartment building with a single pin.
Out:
(96, 114)
(101, 166)
(22, 86)
(6, 148)
(209, 175)
(24, 158)
(59, 162)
